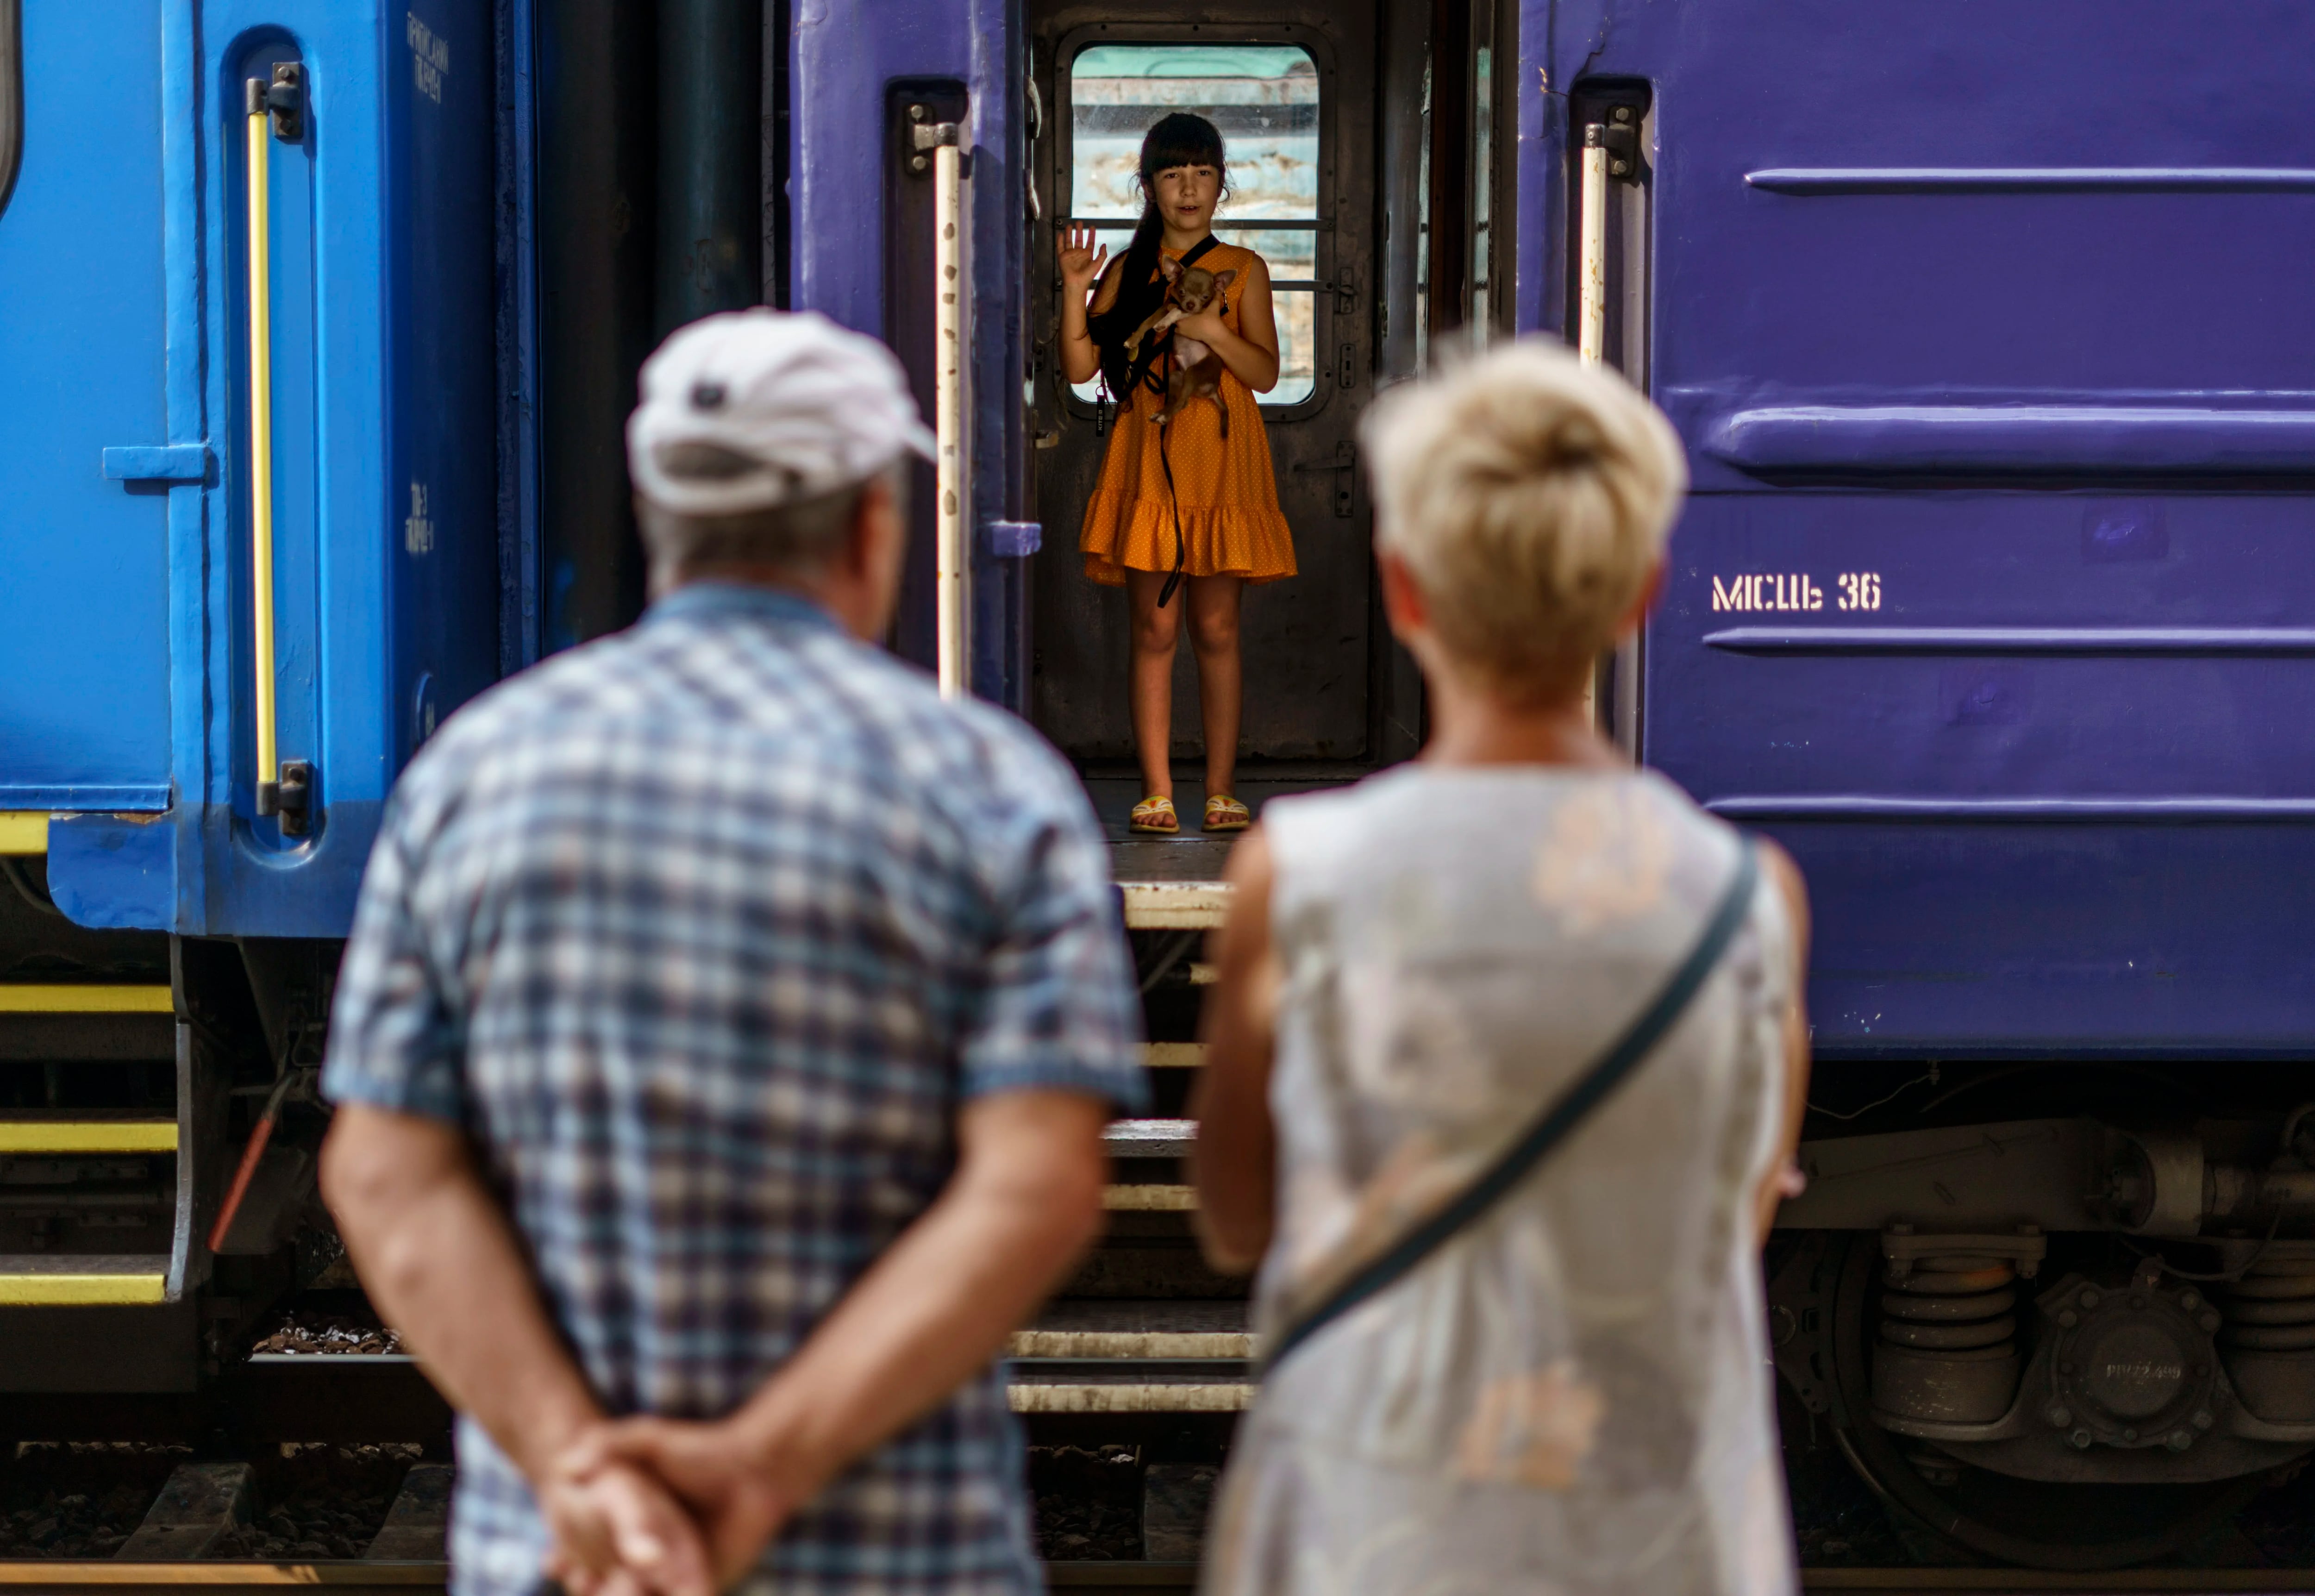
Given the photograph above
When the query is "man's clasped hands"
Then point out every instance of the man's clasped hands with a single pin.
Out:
(661, 1507)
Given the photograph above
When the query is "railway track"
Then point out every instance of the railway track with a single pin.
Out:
(1097, 1578)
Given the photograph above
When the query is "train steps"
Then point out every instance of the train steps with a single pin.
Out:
(86, 1197)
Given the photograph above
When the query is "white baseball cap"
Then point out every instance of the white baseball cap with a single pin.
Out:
(803, 406)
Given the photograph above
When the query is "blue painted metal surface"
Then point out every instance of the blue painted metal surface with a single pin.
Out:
(2006, 309)
(125, 665)
(843, 55)
(84, 645)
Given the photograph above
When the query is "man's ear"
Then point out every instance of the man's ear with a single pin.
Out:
(867, 569)
(1169, 267)
(1223, 280)
(1404, 604)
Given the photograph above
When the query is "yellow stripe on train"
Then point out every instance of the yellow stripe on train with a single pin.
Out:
(88, 1136)
(85, 998)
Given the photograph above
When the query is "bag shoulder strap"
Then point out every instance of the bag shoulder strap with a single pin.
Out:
(1190, 256)
(1568, 1111)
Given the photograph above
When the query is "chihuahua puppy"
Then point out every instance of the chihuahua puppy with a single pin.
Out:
(1197, 369)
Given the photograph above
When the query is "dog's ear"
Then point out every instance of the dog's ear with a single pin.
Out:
(1169, 267)
(1222, 279)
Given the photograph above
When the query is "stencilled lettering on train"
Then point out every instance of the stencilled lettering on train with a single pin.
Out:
(418, 526)
(429, 56)
(1796, 590)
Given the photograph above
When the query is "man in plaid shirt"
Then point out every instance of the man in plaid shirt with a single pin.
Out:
(724, 1046)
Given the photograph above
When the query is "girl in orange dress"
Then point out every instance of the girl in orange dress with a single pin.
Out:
(1215, 524)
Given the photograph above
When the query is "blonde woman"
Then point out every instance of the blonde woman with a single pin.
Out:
(1572, 1392)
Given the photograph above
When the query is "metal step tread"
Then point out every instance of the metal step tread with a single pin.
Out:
(85, 1134)
(23, 831)
(1174, 1055)
(1150, 1138)
(1175, 906)
(1120, 1386)
(1151, 1197)
(1128, 1329)
(82, 1280)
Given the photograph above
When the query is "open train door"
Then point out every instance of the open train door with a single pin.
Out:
(1990, 335)
(909, 207)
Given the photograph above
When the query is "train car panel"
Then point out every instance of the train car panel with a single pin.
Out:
(1987, 337)
(384, 590)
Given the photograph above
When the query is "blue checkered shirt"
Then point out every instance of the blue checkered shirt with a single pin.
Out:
(704, 931)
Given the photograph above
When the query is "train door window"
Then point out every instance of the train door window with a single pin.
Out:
(1263, 99)
(1293, 90)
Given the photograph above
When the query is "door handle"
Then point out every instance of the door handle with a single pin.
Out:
(270, 110)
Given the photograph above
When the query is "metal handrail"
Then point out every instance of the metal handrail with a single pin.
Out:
(1591, 273)
(952, 554)
(261, 442)
(11, 97)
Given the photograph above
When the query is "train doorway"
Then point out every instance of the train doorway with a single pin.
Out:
(1294, 92)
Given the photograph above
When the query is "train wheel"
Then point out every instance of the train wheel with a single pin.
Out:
(2029, 1522)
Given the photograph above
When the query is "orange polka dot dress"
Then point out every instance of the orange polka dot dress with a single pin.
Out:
(1225, 489)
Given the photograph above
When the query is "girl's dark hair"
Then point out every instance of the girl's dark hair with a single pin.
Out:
(1180, 139)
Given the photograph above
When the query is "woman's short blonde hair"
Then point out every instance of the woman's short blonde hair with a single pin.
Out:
(1530, 498)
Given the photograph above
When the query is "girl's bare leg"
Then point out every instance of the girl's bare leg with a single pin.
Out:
(1155, 631)
(1213, 633)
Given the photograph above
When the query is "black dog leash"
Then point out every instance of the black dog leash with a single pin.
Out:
(1165, 438)
(1571, 1108)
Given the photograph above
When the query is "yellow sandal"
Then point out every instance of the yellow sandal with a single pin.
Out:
(1226, 813)
(1155, 814)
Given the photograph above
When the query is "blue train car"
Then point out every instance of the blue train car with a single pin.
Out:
(249, 320)
(1985, 333)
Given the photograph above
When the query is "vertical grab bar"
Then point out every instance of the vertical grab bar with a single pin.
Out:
(1591, 278)
(273, 108)
(1592, 298)
(951, 554)
(261, 443)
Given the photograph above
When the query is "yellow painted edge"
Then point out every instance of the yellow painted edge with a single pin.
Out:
(23, 832)
(1174, 1055)
(88, 1136)
(1149, 1198)
(1125, 1344)
(81, 1290)
(87, 998)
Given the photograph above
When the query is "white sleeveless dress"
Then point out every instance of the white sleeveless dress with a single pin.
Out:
(1574, 1395)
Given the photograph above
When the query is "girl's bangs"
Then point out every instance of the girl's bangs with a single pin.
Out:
(1197, 145)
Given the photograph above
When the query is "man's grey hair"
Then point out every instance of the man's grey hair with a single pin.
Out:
(801, 536)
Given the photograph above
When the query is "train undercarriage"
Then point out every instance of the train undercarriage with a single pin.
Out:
(2068, 1340)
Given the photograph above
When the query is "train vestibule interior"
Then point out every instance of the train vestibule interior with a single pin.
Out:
(1365, 166)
